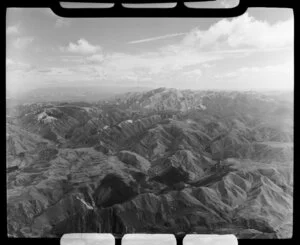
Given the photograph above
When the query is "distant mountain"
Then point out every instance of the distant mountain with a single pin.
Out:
(67, 93)
(163, 160)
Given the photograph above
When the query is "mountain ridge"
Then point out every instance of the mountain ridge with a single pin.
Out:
(66, 162)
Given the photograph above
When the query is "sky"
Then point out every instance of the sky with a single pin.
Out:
(253, 51)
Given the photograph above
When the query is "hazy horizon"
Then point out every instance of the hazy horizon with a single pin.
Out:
(250, 52)
(78, 93)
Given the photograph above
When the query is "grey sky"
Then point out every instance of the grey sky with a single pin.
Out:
(253, 51)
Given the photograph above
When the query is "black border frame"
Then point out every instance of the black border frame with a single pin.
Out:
(179, 11)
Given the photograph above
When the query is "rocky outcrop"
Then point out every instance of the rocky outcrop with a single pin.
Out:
(241, 198)
(19, 141)
(134, 160)
(182, 166)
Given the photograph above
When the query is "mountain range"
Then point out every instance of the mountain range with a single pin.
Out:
(156, 161)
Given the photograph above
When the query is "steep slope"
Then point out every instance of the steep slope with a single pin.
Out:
(21, 146)
(164, 160)
(73, 181)
(249, 199)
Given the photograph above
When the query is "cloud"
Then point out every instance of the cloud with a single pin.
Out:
(124, 66)
(56, 71)
(13, 30)
(275, 77)
(22, 42)
(154, 64)
(79, 59)
(285, 68)
(96, 58)
(227, 38)
(207, 65)
(81, 47)
(280, 68)
(16, 74)
(62, 23)
(14, 65)
(196, 73)
(157, 38)
(17, 66)
(232, 74)
(46, 70)
(9, 62)
(179, 64)
(241, 32)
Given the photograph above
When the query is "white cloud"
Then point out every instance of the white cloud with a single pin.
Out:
(13, 30)
(157, 38)
(196, 73)
(241, 32)
(62, 23)
(16, 74)
(22, 42)
(81, 47)
(207, 65)
(227, 38)
(283, 68)
(9, 61)
(156, 62)
(14, 65)
(73, 58)
(286, 68)
(96, 58)
(232, 74)
(280, 68)
(122, 66)
(57, 71)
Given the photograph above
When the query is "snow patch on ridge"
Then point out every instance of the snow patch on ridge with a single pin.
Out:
(44, 117)
(85, 203)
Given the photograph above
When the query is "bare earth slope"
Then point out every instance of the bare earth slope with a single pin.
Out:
(158, 161)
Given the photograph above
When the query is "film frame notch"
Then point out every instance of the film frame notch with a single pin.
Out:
(166, 8)
(146, 239)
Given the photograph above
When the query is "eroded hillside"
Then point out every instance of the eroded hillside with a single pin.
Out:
(159, 161)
